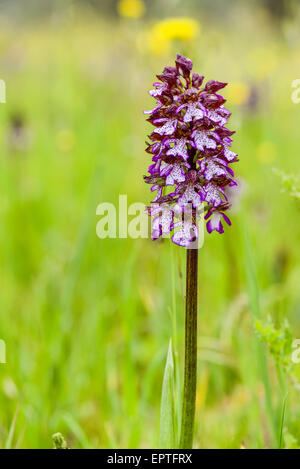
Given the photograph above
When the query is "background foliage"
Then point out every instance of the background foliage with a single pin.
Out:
(87, 322)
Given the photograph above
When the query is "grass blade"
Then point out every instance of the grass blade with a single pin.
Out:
(167, 410)
(282, 421)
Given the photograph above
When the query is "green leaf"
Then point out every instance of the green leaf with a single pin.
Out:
(167, 410)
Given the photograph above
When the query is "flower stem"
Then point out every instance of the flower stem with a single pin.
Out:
(190, 360)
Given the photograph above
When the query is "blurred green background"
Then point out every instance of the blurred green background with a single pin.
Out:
(86, 321)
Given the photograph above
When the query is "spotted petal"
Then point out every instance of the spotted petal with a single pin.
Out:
(212, 169)
(186, 234)
(216, 117)
(168, 128)
(203, 140)
(190, 196)
(174, 173)
(213, 195)
(193, 112)
(163, 223)
(179, 148)
(229, 155)
(158, 90)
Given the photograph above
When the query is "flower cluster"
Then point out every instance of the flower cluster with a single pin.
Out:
(191, 155)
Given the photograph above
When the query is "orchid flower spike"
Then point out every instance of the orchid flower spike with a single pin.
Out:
(191, 153)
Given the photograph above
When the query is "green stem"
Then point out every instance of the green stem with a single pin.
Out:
(190, 360)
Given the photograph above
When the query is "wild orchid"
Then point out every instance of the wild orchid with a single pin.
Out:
(191, 152)
(191, 174)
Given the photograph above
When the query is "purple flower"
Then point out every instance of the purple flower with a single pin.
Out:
(197, 80)
(217, 116)
(229, 155)
(190, 196)
(158, 90)
(192, 111)
(179, 148)
(173, 172)
(204, 139)
(215, 222)
(213, 194)
(213, 86)
(214, 168)
(168, 128)
(162, 223)
(159, 189)
(191, 156)
(187, 233)
(184, 66)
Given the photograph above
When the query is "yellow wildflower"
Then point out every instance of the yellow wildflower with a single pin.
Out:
(171, 29)
(131, 8)
(183, 29)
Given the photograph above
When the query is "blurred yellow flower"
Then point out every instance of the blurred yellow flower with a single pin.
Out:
(184, 29)
(238, 93)
(131, 8)
(267, 152)
(65, 140)
(171, 29)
